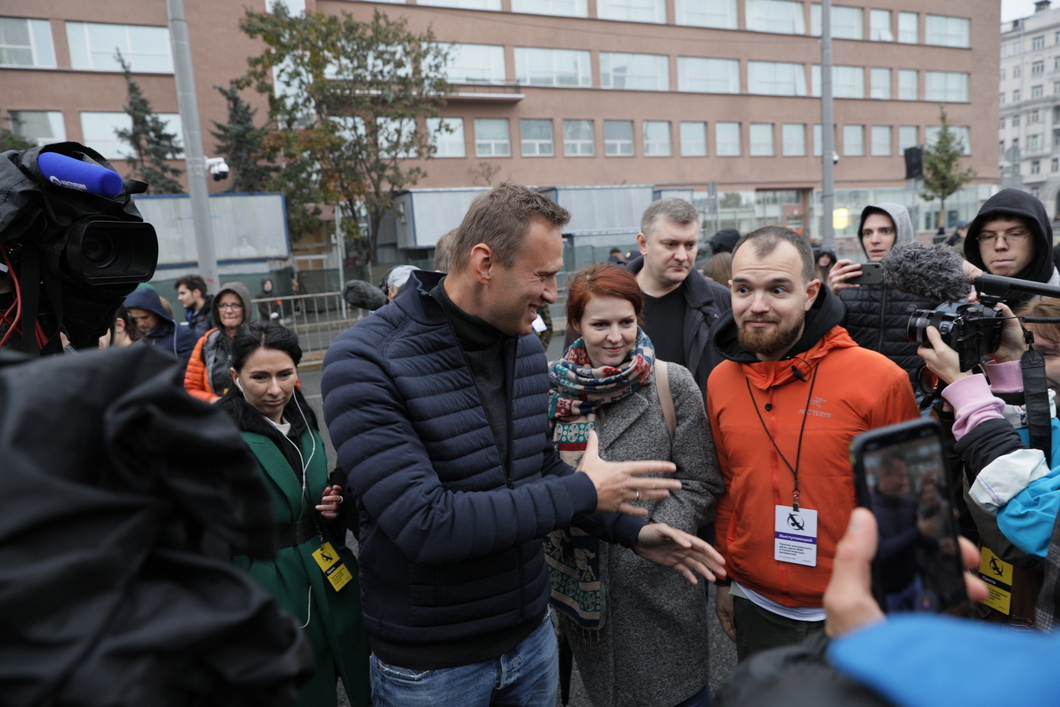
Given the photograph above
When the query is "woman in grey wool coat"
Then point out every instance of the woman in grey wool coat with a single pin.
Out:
(638, 631)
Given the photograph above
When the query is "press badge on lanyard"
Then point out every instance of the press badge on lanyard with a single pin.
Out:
(795, 536)
(334, 570)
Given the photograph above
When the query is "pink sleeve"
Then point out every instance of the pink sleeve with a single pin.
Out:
(1005, 377)
(973, 402)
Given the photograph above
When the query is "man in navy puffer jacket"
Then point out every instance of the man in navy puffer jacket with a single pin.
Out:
(437, 407)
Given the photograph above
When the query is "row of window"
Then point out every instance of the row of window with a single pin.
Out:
(1035, 142)
(1036, 166)
(535, 66)
(1037, 91)
(93, 46)
(492, 138)
(1037, 68)
(1015, 47)
(97, 129)
(1035, 115)
(777, 16)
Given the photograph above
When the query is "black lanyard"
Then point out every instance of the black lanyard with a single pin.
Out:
(798, 450)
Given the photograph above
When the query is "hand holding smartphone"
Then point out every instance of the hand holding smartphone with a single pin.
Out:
(871, 274)
(900, 475)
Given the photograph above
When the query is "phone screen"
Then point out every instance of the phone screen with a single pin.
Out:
(918, 562)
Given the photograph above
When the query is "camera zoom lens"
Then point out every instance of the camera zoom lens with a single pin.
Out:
(98, 249)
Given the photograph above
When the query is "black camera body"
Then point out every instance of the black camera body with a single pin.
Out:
(972, 329)
(77, 254)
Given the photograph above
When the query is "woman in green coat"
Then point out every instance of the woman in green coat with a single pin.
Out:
(313, 576)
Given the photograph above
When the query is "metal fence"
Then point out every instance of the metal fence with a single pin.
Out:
(316, 318)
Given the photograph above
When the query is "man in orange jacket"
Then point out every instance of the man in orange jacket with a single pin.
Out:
(793, 391)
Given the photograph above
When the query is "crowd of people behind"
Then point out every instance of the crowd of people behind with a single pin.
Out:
(501, 501)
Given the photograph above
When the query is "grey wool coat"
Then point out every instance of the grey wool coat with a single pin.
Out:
(652, 649)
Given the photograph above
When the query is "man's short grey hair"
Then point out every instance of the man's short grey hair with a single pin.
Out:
(677, 211)
(500, 219)
(765, 240)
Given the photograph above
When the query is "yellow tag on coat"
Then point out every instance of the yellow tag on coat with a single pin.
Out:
(334, 570)
(997, 574)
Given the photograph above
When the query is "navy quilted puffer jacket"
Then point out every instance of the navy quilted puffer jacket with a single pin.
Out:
(450, 546)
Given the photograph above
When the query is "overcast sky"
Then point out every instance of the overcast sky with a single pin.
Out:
(1011, 9)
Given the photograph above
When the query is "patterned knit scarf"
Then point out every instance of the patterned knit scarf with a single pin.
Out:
(578, 391)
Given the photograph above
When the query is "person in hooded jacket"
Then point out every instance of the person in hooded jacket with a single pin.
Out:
(783, 410)
(313, 575)
(207, 377)
(1011, 236)
(158, 326)
(877, 315)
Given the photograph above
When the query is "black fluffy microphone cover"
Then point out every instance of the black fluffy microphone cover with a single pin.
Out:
(363, 295)
(931, 272)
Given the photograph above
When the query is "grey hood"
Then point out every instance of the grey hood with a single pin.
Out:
(241, 291)
(903, 225)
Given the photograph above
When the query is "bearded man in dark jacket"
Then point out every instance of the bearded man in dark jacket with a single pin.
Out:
(877, 315)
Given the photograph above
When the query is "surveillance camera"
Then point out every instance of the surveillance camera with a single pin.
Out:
(217, 167)
(835, 158)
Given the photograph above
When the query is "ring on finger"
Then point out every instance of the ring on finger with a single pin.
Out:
(638, 495)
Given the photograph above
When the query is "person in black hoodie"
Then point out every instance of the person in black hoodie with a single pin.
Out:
(158, 327)
(1011, 236)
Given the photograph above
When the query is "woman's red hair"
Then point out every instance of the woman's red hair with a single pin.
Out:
(601, 280)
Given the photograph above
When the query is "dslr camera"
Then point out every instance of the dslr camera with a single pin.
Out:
(972, 329)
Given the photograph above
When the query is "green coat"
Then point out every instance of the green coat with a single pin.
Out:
(335, 626)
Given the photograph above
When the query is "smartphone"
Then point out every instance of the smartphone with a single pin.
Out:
(871, 274)
(900, 474)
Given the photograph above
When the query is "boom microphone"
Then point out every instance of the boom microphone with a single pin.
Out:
(930, 272)
(363, 295)
(70, 173)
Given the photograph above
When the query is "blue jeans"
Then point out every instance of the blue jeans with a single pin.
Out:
(526, 676)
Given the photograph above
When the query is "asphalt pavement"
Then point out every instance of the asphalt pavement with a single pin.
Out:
(722, 650)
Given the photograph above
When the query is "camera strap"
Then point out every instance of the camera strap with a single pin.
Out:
(1036, 398)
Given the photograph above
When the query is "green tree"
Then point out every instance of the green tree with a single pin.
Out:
(350, 109)
(239, 141)
(943, 175)
(10, 140)
(152, 144)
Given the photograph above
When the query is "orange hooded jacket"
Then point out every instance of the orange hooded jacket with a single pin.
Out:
(847, 390)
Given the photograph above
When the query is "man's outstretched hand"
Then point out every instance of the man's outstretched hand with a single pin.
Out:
(686, 553)
(619, 483)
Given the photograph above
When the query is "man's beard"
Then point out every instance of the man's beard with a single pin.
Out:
(768, 341)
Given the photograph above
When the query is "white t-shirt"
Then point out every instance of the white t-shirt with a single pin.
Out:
(798, 613)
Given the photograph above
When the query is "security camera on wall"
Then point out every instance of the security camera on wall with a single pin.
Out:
(217, 167)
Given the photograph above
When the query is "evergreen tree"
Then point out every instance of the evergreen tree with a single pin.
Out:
(942, 161)
(240, 143)
(152, 145)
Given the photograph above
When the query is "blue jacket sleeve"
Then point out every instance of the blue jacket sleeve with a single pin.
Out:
(390, 471)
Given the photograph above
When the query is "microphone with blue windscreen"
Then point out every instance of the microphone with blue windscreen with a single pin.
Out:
(71, 173)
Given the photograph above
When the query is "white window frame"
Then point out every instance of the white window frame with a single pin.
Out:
(536, 146)
(529, 75)
(579, 146)
(618, 146)
(905, 91)
(853, 140)
(494, 5)
(493, 146)
(761, 138)
(847, 81)
(554, 8)
(54, 119)
(880, 83)
(847, 22)
(946, 86)
(908, 28)
(693, 138)
(903, 137)
(40, 45)
(475, 64)
(644, 72)
(880, 140)
(657, 139)
(652, 11)
(880, 26)
(449, 144)
(723, 139)
(703, 75)
(775, 16)
(776, 78)
(99, 58)
(946, 31)
(719, 14)
(793, 139)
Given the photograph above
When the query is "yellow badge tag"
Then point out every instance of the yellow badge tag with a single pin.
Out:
(334, 570)
(998, 577)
